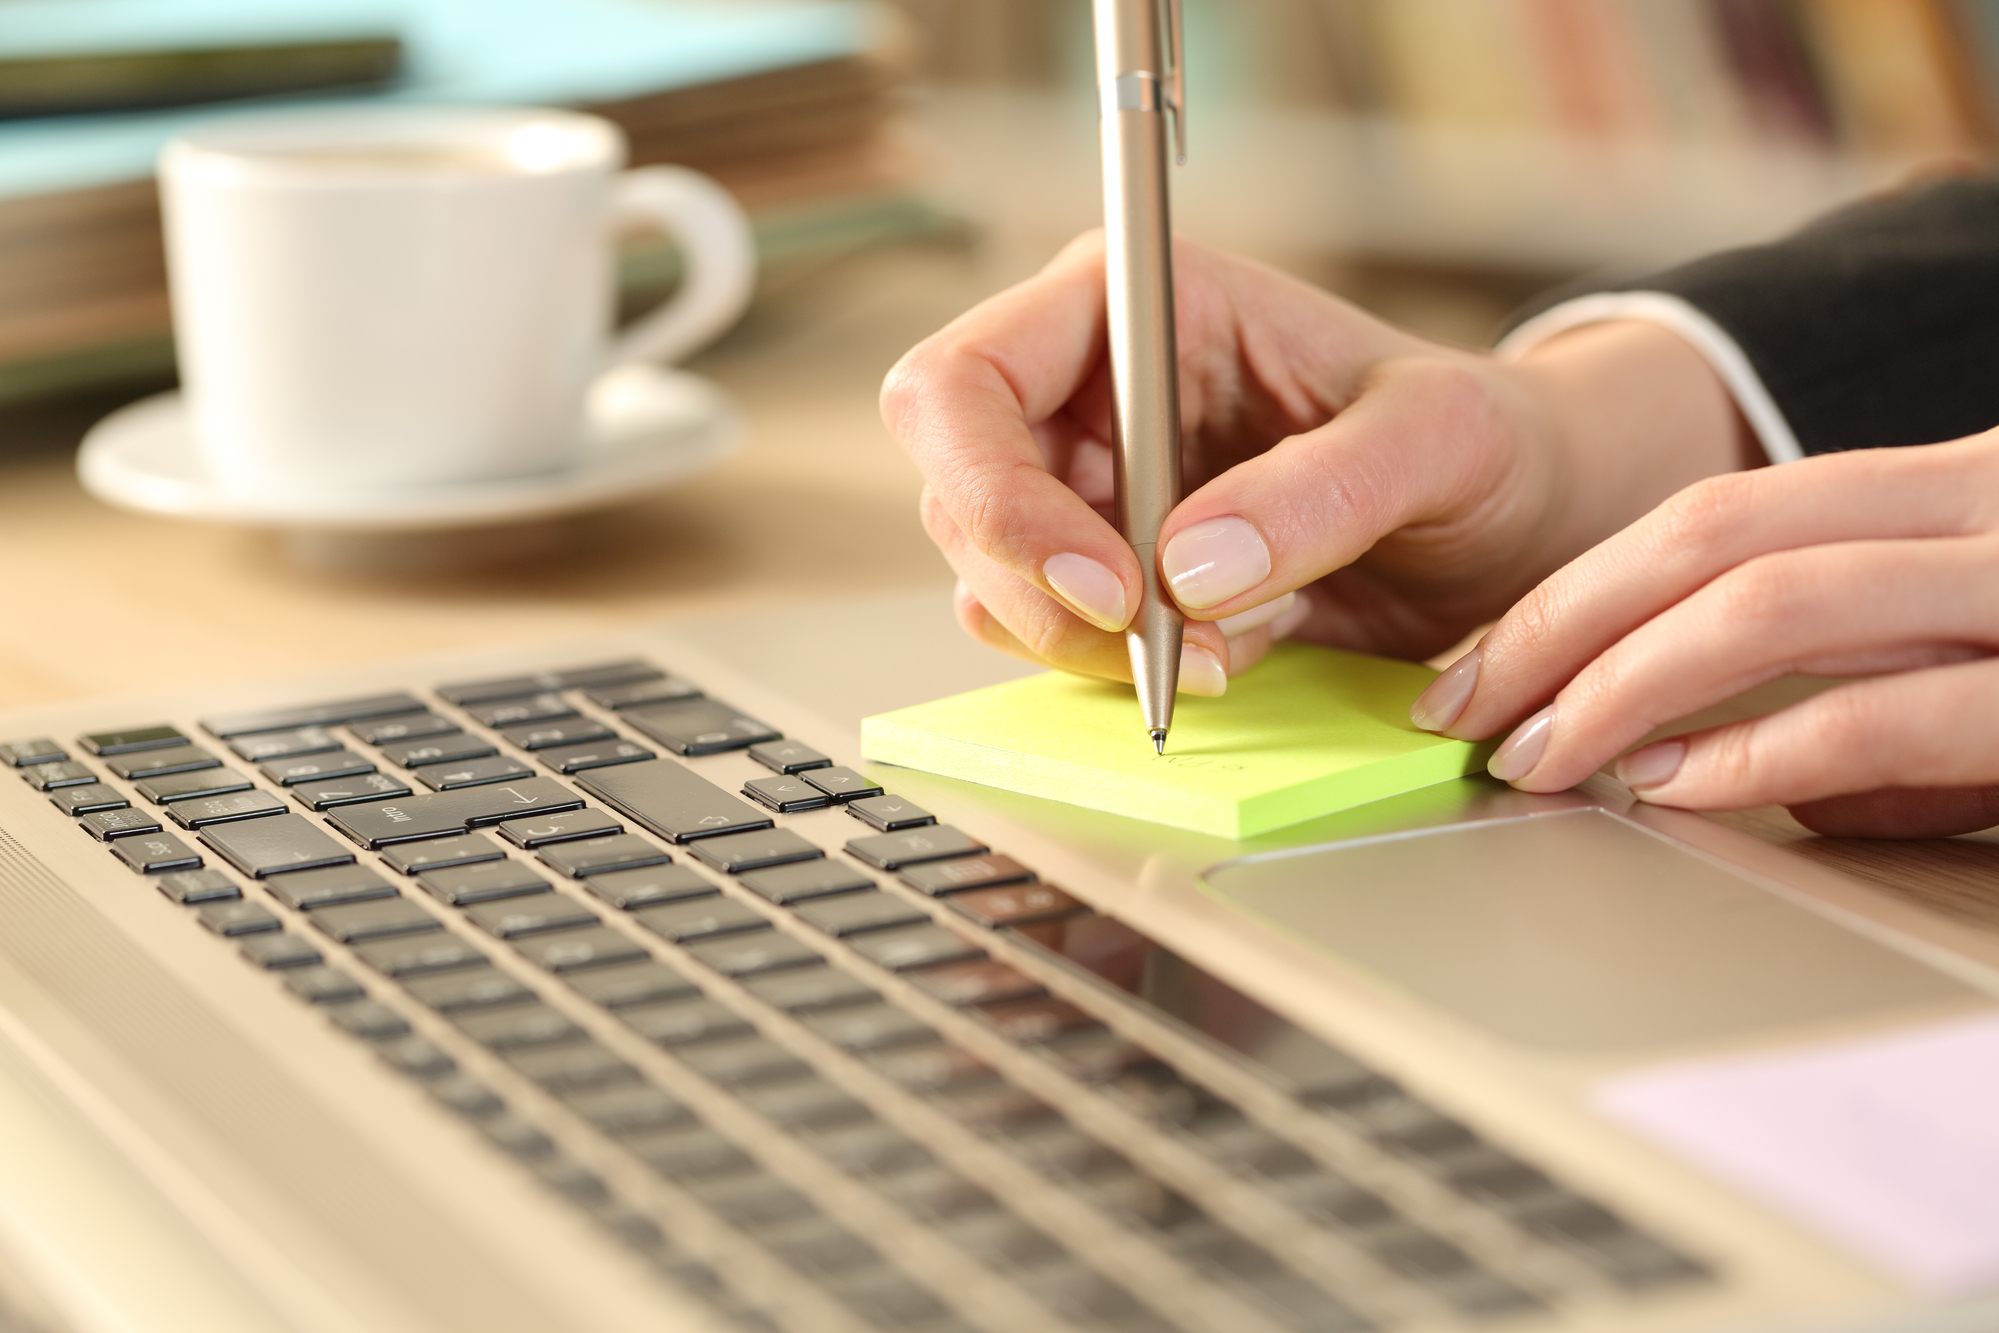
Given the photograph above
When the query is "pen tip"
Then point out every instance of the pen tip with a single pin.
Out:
(1159, 740)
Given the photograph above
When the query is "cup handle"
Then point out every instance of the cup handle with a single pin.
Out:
(719, 253)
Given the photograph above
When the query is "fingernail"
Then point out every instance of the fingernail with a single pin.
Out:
(1200, 673)
(1652, 766)
(1088, 586)
(1516, 757)
(1244, 621)
(1213, 561)
(1439, 705)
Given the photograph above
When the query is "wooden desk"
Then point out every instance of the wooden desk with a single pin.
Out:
(818, 503)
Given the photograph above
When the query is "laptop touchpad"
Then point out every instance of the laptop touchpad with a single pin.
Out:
(1580, 931)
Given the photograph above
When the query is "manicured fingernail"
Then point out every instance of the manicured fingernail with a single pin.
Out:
(1200, 673)
(1213, 561)
(1439, 705)
(1242, 622)
(1653, 766)
(1517, 755)
(1088, 586)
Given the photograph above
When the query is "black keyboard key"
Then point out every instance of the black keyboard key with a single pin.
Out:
(683, 1022)
(150, 853)
(1014, 904)
(743, 1060)
(579, 1065)
(522, 712)
(419, 1057)
(192, 786)
(854, 913)
(316, 767)
(104, 825)
(199, 814)
(232, 725)
(869, 1027)
(49, 777)
(516, 1026)
(595, 856)
(867, 1147)
(811, 988)
(39, 750)
(284, 744)
(570, 730)
(532, 833)
(597, 754)
(805, 1101)
(1029, 1021)
(128, 740)
(157, 763)
(631, 983)
(197, 886)
(754, 953)
(788, 757)
(465, 1095)
(632, 889)
(236, 918)
(463, 885)
(628, 1109)
(512, 917)
(574, 678)
(980, 981)
(277, 950)
(801, 880)
(409, 727)
(260, 847)
(453, 749)
(750, 1200)
(416, 817)
(419, 955)
(672, 800)
(737, 852)
(515, 1136)
(462, 850)
(473, 988)
(916, 946)
(699, 918)
(842, 784)
(700, 726)
(322, 985)
(663, 690)
(307, 889)
(893, 851)
(688, 1154)
(568, 950)
(478, 773)
(84, 797)
(890, 814)
(356, 923)
(349, 791)
(786, 795)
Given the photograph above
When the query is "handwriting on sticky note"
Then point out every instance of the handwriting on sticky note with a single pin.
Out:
(1304, 733)
(1887, 1146)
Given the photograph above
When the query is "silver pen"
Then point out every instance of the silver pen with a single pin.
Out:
(1138, 81)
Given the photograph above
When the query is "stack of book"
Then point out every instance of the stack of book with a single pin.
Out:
(794, 105)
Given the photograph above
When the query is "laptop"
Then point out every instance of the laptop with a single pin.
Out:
(600, 985)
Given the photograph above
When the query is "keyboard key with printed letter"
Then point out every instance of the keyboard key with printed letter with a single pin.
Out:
(260, 847)
(128, 740)
(754, 850)
(699, 919)
(788, 757)
(104, 825)
(596, 754)
(409, 727)
(316, 767)
(893, 851)
(573, 678)
(464, 850)
(63, 773)
(355, 923)
(84, 797)
(532, 833)
(39, 750)
(232, 725)
(416, 817)
(663, 690)
(151, 853)
(156, 763)
(801, 880)
(971, 872)
(463, 885)
(890, 814)
(349, 791)
(284, 744)
(596, 856)
(431, 750)
(530, 914)
(522, 712)
(478, 773)
(700, 726)
(842, 784)
(786, 795)
(629, 889)
(225, 809)
(187, 786)
(567, 729)
(672, 800)
(307, 889)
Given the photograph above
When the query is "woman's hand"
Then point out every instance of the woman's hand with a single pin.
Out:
(1882, 564)
(1348, 482)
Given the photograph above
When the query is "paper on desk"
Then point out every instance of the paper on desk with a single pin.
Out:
(1888, 1146)
(1306, 732)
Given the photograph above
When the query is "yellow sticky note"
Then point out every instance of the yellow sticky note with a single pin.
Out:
(1306, 732)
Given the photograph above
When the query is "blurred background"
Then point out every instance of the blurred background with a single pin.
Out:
(1438, 161)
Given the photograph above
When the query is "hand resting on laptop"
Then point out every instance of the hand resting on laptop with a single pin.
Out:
(1353, 485)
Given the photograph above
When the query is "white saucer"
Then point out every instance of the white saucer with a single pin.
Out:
(648, 427)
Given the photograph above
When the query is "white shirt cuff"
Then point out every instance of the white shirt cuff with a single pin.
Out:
(1707, 337)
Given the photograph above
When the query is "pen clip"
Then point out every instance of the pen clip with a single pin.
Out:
(1176, 86)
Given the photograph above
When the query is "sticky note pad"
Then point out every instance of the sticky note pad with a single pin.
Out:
(1305, 732)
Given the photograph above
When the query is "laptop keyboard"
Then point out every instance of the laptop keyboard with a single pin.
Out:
(824, 1061)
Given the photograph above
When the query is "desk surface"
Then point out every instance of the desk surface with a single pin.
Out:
(818, 503)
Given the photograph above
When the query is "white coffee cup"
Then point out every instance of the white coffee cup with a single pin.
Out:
(385, 298)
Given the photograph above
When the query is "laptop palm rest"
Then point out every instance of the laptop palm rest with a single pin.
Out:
(1581, 932)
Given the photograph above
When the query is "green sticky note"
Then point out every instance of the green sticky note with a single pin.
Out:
(1305, 732)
